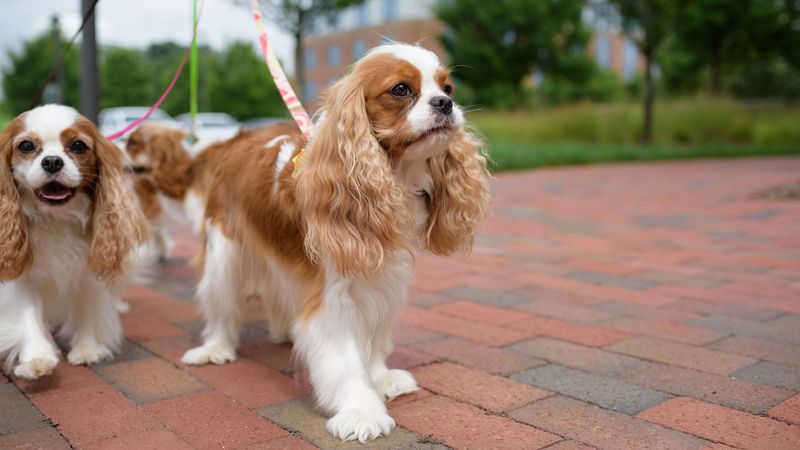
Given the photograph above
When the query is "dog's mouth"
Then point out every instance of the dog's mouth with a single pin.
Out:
(137, 169)
(439, 130)
(54, 193)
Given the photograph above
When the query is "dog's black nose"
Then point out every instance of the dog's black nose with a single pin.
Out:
(52, 164)
(442, 104)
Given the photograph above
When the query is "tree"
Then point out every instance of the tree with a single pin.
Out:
(725, 34)
(501, 42)
(647, 23)
(29, 67)
(124, 78)
(296, 17)
(240, 86)
(163, 59)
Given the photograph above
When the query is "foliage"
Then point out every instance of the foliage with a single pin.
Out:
(602, 86)
(725, 34)
(495, 45)
(516, 156)
(124, 78)
(698, 121)
(241, 85)
(28, 67)
(233, 80)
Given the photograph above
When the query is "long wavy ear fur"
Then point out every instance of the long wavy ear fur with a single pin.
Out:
(460, 196)
(16, 254)
(354, 211)
(172, 166)
(118, 223)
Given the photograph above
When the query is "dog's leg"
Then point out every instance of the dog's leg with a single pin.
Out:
(218, 298)
(331, 343)
(390, 383)
(24, 335)
(93, 325)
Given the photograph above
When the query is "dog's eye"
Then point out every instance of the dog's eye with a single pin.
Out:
(448, 89)
(26, 146)
(400, 90)
(78, 146)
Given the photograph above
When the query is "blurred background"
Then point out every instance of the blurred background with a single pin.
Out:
(546, 81)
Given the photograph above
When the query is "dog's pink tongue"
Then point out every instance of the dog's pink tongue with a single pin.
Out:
(54, 191)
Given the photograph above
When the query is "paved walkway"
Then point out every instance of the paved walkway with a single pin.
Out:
(621, 306)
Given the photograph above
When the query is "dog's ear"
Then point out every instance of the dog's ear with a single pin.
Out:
(117, 222)
(172, 166)
(354, 209)
(459, 198)
(16, 254)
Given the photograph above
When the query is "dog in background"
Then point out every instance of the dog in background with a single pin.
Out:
(326, 236)
(168, 180)
(68, 224)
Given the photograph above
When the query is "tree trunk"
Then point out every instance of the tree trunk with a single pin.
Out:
(716, 72)
(299, 63)
(649, 98)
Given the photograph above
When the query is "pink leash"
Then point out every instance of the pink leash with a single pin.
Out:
(160, 100)
(164, 96)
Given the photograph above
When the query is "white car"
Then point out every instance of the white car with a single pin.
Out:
(211, 127)
(113, 120)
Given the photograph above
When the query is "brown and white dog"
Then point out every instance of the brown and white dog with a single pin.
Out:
(168, 181)
(328, 241)
(68, 224)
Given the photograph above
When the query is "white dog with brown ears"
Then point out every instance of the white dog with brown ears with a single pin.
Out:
(67, 226)
(327, 238)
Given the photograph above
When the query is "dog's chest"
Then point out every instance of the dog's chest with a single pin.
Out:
(60, 249)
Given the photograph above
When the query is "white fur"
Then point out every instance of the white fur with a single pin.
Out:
(59, 292)
(285, 154)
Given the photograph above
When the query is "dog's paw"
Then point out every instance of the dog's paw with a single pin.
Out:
(89, 354)
(394, 383)
(205, 354)
(360, 424)
(35, 368)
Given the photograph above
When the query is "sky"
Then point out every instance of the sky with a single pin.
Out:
(138, 23)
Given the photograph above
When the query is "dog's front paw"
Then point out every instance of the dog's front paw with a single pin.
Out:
(363, 425)
(217, 354)
(35, 368)
(89, 354)
(394, 383)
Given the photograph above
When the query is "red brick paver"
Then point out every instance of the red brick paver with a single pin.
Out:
(629, 306)
(722, 424)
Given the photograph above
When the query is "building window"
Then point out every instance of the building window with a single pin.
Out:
(630, 60)
(359, 48)
(389, 10)
(603, 51)
(310, 91)
(361, 15)
(334, 55)
(310, 59)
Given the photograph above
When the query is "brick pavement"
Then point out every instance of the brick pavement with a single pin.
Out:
(620, 306)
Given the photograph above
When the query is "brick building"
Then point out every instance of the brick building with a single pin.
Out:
(334, 43)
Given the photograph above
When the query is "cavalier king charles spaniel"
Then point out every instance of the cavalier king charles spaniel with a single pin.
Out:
(68, 224)
(326, 234)
(168, 181)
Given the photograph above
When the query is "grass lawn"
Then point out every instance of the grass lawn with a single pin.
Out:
(515, 155)
(589, 133)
